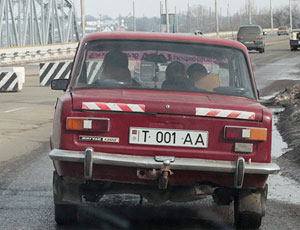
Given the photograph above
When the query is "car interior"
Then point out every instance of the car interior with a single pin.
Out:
(164, 66)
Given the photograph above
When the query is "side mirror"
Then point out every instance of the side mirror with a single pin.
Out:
(264, 33)
(59, 84)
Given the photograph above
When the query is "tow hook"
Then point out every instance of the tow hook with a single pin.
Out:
(161, 174)
(165, 172)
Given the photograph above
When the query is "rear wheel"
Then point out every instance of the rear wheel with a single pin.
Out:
(262, 50)
(249, 208)
(65, 214)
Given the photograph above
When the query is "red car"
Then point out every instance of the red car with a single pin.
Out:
(187, 124)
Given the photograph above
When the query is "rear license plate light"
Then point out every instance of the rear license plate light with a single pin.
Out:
(88, 124)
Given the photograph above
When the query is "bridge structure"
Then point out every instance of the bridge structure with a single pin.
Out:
(37, 22)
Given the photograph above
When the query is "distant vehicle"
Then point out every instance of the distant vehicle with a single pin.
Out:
(283, 30)
(252, 37)
(198, 32)
(295, 39)
(164, 116)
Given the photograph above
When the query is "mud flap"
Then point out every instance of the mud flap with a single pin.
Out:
(249, 208)
(253, 202)
(65, 192)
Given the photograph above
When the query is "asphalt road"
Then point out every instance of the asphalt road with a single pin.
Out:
(277, 68)
(26, 171)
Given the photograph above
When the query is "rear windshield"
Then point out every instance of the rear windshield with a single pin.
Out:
(163, 66)
(248, 30)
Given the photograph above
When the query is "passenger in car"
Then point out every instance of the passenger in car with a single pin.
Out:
(176, 77)
(201, 78)
(115, 67)
(196, 71)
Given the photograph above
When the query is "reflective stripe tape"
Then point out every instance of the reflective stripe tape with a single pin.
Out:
(55, 70)
(208, 112)
(113, 107)
(9, 82)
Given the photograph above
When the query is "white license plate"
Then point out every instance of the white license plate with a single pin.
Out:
(168, 137)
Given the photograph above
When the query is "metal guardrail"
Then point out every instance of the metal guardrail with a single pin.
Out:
(36, 54)
(43, 53)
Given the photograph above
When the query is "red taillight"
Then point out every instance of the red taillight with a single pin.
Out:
(245, 133)
(88, 124)
(259, 37)
(240, 37)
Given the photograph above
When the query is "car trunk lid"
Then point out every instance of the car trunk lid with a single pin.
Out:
(154, 102)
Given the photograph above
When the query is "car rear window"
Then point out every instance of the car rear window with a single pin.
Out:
(248, 30)
(164, 66)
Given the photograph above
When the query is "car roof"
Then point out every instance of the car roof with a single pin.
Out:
(153, 36)
(250, 25)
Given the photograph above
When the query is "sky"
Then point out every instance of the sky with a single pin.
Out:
(150, 8)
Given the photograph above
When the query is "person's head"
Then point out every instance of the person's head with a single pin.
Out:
(115, 58)
(175, 71)
(196, 71)
(115, 67)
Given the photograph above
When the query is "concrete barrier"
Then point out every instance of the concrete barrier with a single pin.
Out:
(54, 70)
(12, 79)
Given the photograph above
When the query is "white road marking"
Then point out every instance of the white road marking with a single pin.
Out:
(13, 110)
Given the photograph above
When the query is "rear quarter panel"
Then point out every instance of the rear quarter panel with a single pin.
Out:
(63, 108)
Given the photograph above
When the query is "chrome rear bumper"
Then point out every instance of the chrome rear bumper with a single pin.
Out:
(238, 167)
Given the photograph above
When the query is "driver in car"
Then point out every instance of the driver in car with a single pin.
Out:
(115, 67)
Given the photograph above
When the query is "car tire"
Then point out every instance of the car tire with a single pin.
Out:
(249, 208)
(248, 221)
(262, 50)
(65, 214)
